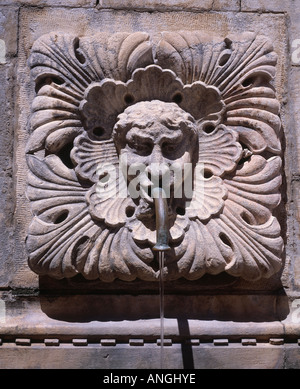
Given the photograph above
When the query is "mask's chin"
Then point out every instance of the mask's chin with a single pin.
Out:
(145, 210)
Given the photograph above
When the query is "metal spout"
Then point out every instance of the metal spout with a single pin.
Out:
(161, 215)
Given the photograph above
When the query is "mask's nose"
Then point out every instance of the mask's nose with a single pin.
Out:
(159, 174)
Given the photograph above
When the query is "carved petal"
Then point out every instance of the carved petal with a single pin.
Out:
(117, 55)
(107, 203)
(89, 155)
(55, 119)
(208, 196)
(255, 188)
(115, 255)
(106, 99)
(219, 151)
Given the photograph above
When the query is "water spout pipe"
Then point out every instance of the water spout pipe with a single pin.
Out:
(161, 215)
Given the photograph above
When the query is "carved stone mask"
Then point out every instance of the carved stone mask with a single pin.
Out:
(157, 140)
(115, 116)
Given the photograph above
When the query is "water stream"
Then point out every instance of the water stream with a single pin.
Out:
(161, 257)
(162, 245)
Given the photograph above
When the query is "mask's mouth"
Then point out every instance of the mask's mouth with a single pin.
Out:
(161, 220)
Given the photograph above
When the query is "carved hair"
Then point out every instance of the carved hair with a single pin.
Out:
(145, 113)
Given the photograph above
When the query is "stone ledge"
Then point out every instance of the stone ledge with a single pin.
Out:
(61, 311)
(109, 342)
(37, 329)
(51, 3)
(146, 5)
(175, 356)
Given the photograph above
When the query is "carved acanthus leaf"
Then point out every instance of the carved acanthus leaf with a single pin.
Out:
(241, 68)
(90, 154)
(219, 149)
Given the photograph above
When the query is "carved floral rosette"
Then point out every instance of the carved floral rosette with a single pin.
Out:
(82, 85)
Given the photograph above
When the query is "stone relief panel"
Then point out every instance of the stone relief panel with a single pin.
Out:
(116, 116)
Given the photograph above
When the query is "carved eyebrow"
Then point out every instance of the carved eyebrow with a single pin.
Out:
(137, 141)
(173, 138)
(138, 137)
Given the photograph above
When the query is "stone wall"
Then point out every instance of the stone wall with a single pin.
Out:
(216, 323)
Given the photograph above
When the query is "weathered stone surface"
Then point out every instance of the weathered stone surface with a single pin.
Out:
(295, 251)
(51, 342)
(222, 316)
(205, 356)
(237, 314)
(207, 109)
(175, 5)
(293, 173)
(293, 21)
(50, 3)
(292, 357)
(35, 22)
(8, 37)
(9, 30)
(267, 6)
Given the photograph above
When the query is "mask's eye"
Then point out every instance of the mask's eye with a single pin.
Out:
(140, 147)
(145, 148)
(169, 149)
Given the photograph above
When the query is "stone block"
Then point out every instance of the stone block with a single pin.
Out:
(293, 22)
(51, 3)
(292, 357)
(51, 342)
(8, 30)
(8, 50)
(264, 5)
(206, 356)
(80, 342)
(276, 341)
(23, 342)
(295, 222)
(248, 342)
(136, 342)
(108, 342)
(220, 342)
(166, 342)
(174, 5)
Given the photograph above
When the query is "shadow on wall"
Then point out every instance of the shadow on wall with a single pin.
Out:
(183, 300)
